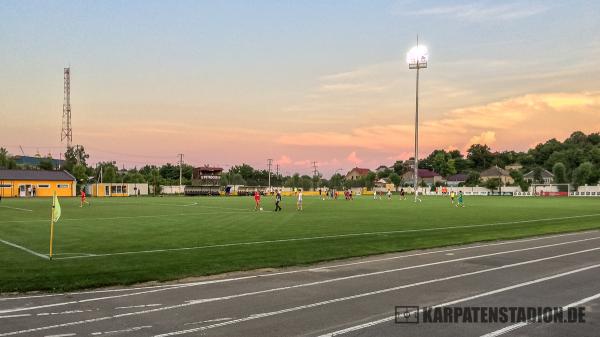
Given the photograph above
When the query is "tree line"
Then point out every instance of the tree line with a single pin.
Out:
(576, 160)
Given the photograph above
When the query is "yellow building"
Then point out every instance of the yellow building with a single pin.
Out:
(117, 189)
(36, 183)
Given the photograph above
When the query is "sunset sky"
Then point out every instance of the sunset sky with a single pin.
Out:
(226, 82)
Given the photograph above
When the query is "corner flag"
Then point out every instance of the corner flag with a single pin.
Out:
(53, 218)
(55, 209)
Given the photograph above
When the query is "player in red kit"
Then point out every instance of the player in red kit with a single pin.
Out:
(257, 200)
(83, 201)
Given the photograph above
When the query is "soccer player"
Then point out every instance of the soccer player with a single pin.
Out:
(460, 200)
(83, 201)
(389, 194)
(277, 201)
(299, 202)
(402, 196)
(256, 200)
(452, 195)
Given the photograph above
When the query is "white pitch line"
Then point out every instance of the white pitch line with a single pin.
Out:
(136, 313)
(15, 316)
(493, 292)
(376, 292)
(92, 255)
(17, 208)
(316, 269)
(62, 335)
(127, 217)
(25, 249)
(522, 324)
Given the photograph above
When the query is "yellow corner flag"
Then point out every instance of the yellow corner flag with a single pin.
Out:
(55, 209)
(53, 218)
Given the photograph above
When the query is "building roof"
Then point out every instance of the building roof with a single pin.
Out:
(423, 173)
(426, 173)
(35, 161)
(545, 174)
(209, 169)
(381, 167)
(457, 177)
(35, 175)
(494, 171)
(359, 171)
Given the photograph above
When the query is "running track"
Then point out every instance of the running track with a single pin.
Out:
(343, 298)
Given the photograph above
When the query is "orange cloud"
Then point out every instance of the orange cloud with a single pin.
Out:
(353, 158)
(511, 123)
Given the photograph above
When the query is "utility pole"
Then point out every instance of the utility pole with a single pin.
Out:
(315, 172)
(277, 170)
(180, 168)
(269, 163)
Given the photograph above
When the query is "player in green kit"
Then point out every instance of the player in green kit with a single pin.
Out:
(460, 200)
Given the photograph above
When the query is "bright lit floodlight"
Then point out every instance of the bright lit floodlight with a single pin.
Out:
(417, 57)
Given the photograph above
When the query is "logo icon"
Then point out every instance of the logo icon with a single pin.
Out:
(407, 314)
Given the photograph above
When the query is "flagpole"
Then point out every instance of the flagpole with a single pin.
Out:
(52, 224)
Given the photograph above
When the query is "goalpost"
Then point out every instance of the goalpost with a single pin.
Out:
(551, 190)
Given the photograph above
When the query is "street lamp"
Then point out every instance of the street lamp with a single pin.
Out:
(417, 58)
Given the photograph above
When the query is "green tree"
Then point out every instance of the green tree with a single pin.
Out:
(582, 174)
(370, 179)
(481, 156)
(493, 183)
(237, 179)
(73, 156)
(6, 161)
(46, 164)
(560, 173)
(537, 175)
(80, 174)
(396, 179)
(473, 179)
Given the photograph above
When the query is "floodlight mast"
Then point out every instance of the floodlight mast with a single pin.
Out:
(417, 58)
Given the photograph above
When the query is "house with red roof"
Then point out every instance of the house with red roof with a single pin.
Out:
(357, 173)
(430, 177)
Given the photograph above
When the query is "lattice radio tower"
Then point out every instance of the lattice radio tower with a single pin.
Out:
(67, 132)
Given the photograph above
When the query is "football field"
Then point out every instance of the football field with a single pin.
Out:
(129, 240)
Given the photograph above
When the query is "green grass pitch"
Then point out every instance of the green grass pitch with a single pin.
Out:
(225, 234)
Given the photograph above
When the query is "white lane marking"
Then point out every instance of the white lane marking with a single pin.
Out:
(140, 306)
(62, 335)
(210, 321)
(522, 324)
(298, 285)
(493, 292)
(91, 255)
(19, 209)
(136, 313)
(15, 316)
(25, 249)
(135, 328)
(65, 312)
(352, 297)
(304, 284)
(387, 271)
(176, 286)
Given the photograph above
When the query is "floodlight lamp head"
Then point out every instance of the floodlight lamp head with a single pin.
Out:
(417, 55)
